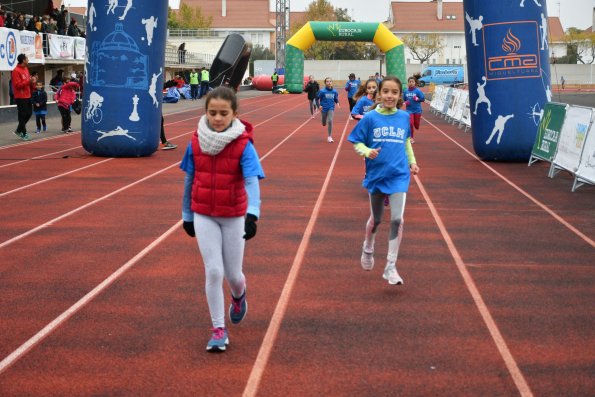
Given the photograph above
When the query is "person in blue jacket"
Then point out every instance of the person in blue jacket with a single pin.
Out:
(328, 97)
(351, 87)
(383, 138)
(366, 98)
(413, 98)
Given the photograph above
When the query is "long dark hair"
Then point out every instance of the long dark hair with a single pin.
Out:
(396, 80)
(363, 89)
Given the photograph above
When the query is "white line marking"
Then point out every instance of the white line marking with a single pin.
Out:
(48, 329)
(279, 313)
(524, 193)
(509, 360)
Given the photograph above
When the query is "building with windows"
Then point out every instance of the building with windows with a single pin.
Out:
(448, 21)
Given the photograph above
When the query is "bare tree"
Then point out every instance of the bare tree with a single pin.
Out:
(423, 47)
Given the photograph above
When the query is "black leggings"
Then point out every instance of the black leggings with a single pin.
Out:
(66, 119)
(25, 110)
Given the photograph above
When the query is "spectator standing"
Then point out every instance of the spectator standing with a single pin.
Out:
(194, 83)
(182, 53)
(2, 16)
(39, 98)
(275, 79)
(562, 81)
(73, 29)
(204, 82)
(22, 85)
(52, 26)
(61, 23)
(56, 81)
(65, 98)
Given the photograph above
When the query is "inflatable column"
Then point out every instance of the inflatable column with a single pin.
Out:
(124, 71)
(509, 75)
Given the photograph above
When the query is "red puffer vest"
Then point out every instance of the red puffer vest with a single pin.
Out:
(218, 188)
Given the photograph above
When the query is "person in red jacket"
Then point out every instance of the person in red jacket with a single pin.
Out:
(65, 98)
(222, 204)
(22, 85)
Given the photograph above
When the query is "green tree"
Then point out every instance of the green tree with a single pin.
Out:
(580, 43)
(322, 10)
(423, 47)
(188, 17)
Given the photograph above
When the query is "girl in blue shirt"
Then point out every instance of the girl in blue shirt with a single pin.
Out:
(413, 98)
(351, 87)
(327, 98)
(383, 138)
(365, 97)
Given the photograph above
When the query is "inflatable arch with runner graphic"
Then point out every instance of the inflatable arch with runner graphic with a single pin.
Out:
(341, 31)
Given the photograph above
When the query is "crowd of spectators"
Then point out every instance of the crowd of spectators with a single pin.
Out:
(54, 21)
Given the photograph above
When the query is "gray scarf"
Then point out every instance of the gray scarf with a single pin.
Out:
(213, 142)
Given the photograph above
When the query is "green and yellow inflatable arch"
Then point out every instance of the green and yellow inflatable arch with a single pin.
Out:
(341, 31)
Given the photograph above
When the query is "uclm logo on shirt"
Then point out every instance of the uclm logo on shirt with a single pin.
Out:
(512, 50)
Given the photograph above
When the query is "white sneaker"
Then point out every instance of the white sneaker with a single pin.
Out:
(367, 260)
(330, 139)
(391, 274)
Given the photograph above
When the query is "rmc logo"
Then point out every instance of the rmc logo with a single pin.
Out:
(511, 50)
(8, 50)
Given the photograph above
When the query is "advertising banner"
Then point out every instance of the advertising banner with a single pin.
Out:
(586, 168)
(548, 132)
(79, 48)
(572, 137)
(509, 75)
(31, 44)
(9, 48)
(61, 47)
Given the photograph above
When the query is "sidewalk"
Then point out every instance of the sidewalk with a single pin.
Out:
(7, 127)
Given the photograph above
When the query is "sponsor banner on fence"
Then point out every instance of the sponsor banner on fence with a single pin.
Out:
(61, 47)
(572, 137)
(31, 44)
(79, 48)
(9, 48)
(548, 131)
(586, 168)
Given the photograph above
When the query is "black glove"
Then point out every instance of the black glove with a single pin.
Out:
(189, 228)
(250, 227)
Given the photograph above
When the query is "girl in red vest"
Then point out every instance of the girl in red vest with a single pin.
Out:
(222, 204)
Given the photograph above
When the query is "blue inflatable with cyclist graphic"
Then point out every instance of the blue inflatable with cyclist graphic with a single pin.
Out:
(121, 115)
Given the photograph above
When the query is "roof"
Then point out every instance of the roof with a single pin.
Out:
(410, 16)
(416, 16)
(240, 14)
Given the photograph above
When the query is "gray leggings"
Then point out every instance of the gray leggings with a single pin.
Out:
(327, 118)
(397, 208)
(221, 244)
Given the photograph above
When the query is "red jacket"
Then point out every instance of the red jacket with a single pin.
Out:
(218, 188)
(21, 82)
(66, 94)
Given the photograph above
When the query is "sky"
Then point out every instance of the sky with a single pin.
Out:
(572, 13)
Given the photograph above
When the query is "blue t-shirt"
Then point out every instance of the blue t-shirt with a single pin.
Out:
(362, 106)
(351, 87)
(413, 107)
(327, 99)
(389, 172)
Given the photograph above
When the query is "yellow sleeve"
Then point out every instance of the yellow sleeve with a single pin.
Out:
(409, 151)
(362, 149)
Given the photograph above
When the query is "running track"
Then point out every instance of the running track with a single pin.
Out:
(101, 292)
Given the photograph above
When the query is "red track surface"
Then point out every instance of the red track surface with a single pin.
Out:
(498, 262)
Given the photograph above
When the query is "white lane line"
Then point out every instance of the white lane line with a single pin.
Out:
(509, 361)
(38, 337)
(520, 190)
(272, 332)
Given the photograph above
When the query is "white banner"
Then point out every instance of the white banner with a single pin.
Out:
(31, 44)
(586, 168)
(9, 48)
(458, 116)
(572, 137)
(79, 48)
(61, 47)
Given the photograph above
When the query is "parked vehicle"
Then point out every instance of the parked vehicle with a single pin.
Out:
(444, 74)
